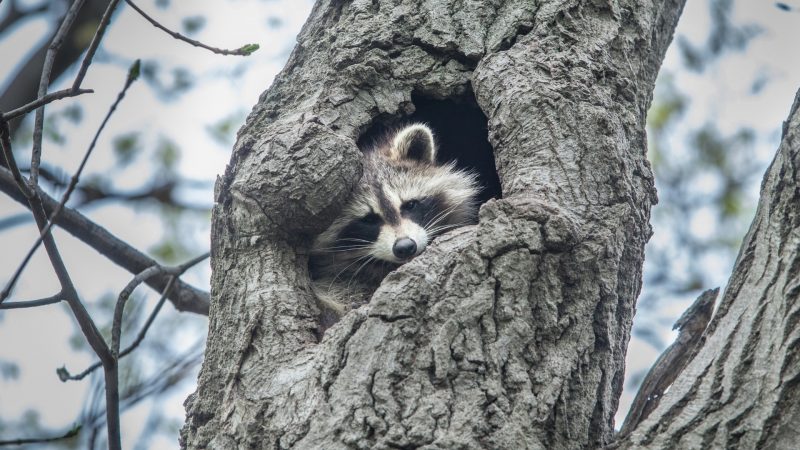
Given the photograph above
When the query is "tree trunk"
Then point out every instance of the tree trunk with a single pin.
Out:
(510, 334)
(742, 389)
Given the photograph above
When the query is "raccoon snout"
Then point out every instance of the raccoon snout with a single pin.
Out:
(404, 248)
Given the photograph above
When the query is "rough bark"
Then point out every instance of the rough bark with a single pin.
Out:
(510, 334)
(742, 389)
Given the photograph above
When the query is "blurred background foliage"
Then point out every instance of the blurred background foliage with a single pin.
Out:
(707, 179)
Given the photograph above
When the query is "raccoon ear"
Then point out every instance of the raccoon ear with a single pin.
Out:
(414, 142)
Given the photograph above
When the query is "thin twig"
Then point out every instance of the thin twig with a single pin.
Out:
(71, 433)
(133, 74)
(44, 82)
(11, 163)
(85, 322)
(166, 377)
(64, 375)
(87, 325)
(49, 98)
(33, 303)
(111, 367)
(98, 36)
(184, 296)
(116, 327)
(245, 50)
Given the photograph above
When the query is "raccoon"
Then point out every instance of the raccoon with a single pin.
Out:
(403, 201)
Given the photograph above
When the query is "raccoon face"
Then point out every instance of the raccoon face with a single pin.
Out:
(402, 202)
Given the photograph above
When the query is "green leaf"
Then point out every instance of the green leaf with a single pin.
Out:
(168, 154)
(193, 24)
(126, 148)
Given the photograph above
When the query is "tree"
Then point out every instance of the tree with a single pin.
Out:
(740, 389)
(511, 334)
(123, 386)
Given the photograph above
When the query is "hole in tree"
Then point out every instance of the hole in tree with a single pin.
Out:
(461, 131)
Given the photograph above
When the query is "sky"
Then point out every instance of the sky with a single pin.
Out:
(227, 87)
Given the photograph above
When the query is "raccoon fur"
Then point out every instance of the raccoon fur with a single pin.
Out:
(403, 201)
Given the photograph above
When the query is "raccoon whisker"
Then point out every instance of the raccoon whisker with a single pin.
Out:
(442, 215)
(357, 240)
(355, 274)
(352, 263)
(336, 277)
(439, 216)
(341, 249)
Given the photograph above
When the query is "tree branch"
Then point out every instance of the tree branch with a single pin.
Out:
(98, 36)
(22, 441)
(49, 98)
(8, 154)
(44, 82)
(133, 74)
(33, 303)
(116, 328)
(245, 50)
(64, 375)
(184, 297)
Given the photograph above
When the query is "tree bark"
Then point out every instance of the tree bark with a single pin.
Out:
(741, 390)
(509, 334)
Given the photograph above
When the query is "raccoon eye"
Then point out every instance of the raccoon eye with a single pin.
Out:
(409, 205)
(371, 219)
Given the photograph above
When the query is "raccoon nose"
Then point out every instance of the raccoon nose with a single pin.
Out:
(404, 248)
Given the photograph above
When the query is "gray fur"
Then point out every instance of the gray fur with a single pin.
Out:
(346, 271)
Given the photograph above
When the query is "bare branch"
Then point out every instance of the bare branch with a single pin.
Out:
(49, 98)
(245, 50)
(116, 327)
(64, 375)
(72, 432)
(33, 303)
(87, 325)
(112, 370)
(133, 74)
(111, 373)
(98, 36)
(11, 163)
(89, 329)
(184, 297)
(44, 82)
